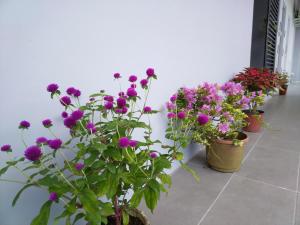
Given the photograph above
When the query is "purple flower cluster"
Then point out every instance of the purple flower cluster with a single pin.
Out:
(6, 148)
(132, 78)
(47, 123)
(70, 121)
(24, 124)
(203, 119)
(52, 88)
(33, 153)
(91, 127)
(131, 92)
(181, 115)
(41, 140)
(150, 72)
(125, 142)
(144, 83)
(73, 92)
(232, 88)
(53, 197)
(147, 109)
(117, 76)
(153, 155)
(79, 166)
(223, 128)
(55, 144)
(65, 100)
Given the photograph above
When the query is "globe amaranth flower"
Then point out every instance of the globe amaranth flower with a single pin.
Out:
(144, 83)
(133, 143)
(202, 119)
(47, 123)
(77, 114)
(65, 100)
(118, 110)
(131, 92)
(79, 166)
(171, 115)
(91, 127)
(24, 124)
(64, 114)
(6, 148)
(55, 143)
(53, 197)
(173, 98)
(133, 85)
(153, 155)
(223, 128)
(150, 72)
(181, 115)
(132, 78)
(121, 102)
(124, 142)
(147, 109)
(33, 153)
(41, 140)
(69, 122)
(108, 98)
(124, 110)
(70, 90)
(77, 93)
(121, 94)
(117, 76)
(170, 106)
(108, 105)
(52, 88)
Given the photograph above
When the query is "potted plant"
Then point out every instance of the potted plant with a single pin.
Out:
(108, 172)
(213, 118)
(283, 80)
(257, 83)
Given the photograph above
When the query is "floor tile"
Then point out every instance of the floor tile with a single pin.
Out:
(297, 219)
(245, 202)
(274, 167)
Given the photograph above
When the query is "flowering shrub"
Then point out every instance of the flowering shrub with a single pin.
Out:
(107, 163)
(211, 112)
(256, 79)
(283, 78)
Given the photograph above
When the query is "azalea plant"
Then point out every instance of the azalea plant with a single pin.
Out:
(257, 79)
(206, 113)
(107, 172)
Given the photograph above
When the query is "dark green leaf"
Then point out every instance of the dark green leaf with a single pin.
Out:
(20, 192)
(44, 214)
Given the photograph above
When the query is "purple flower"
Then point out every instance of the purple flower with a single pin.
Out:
(55, 143)
(181, 115)
(77, 93)
(91, 127)
(153, 155)
(132, 143)
(77, 114)
(69, 122)
(41, 140)
(223, 128)
(121, 93)
(117, 76)
(171, 115)
(118, 111)
(64, 114)
(121, 102)
(124, 142)
(133, 85)
(132, 78)
(65, 100)
(131, 92)
(170, 106)
(52, 88)
(150, 72)
(218, 108)
(173, 98)
(144, 83)
(205, 107)
(108, 105)
(24, 124)
(47, 123)
(92, 99)
(147, 109)
(71, 90)
(5, 148)
(124, 110)
(53, 197)
(79, 166)
(108, 98)
(203, 119)
(33, 153)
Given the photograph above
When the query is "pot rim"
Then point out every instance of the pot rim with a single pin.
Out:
(244, 139)
(247, 111)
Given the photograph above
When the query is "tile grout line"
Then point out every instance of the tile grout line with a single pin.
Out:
(297, 193)
(227, 183)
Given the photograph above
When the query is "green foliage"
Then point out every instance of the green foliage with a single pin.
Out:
(43, 216)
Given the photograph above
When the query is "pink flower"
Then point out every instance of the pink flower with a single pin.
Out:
(203, 119)
(170, 106)
(147, 109)
(153, 155)
(171, 115)
(181, 115)
(223, 128)
(132, 143)
(124, 142)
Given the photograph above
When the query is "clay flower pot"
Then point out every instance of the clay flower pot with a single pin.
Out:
(283, 89)
(224, 156)
(137, 217)
(254, 121)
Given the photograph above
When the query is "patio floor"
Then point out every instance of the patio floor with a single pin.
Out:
(266, 191)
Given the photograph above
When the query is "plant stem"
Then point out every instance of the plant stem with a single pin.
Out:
(117, 211)
(12, 181)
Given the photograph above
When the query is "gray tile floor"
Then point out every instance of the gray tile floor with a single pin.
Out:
(266, 191)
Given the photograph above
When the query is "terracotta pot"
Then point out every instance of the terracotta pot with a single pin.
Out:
(254, 121)
(224, 156)
(137, 217)
(283, 89)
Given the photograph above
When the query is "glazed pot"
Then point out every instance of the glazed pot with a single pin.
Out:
(137, 217)
(224, 156)
(283, 89)
(254, 121)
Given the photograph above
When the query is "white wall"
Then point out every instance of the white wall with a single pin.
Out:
(296, 62)
(82, 43)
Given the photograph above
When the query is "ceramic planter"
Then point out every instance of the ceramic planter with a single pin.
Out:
(254, 121)
(137, 217)
(283, 89)
(224, 156)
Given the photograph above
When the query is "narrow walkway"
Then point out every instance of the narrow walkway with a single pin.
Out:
(264, 192)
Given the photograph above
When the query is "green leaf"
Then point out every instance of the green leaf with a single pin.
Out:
(166, 179)
(190, 170)
(136, 198)
(150, 198)
(78, 217)
(125, 218)
(3, 170)
(44, 214)
(20, 192)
